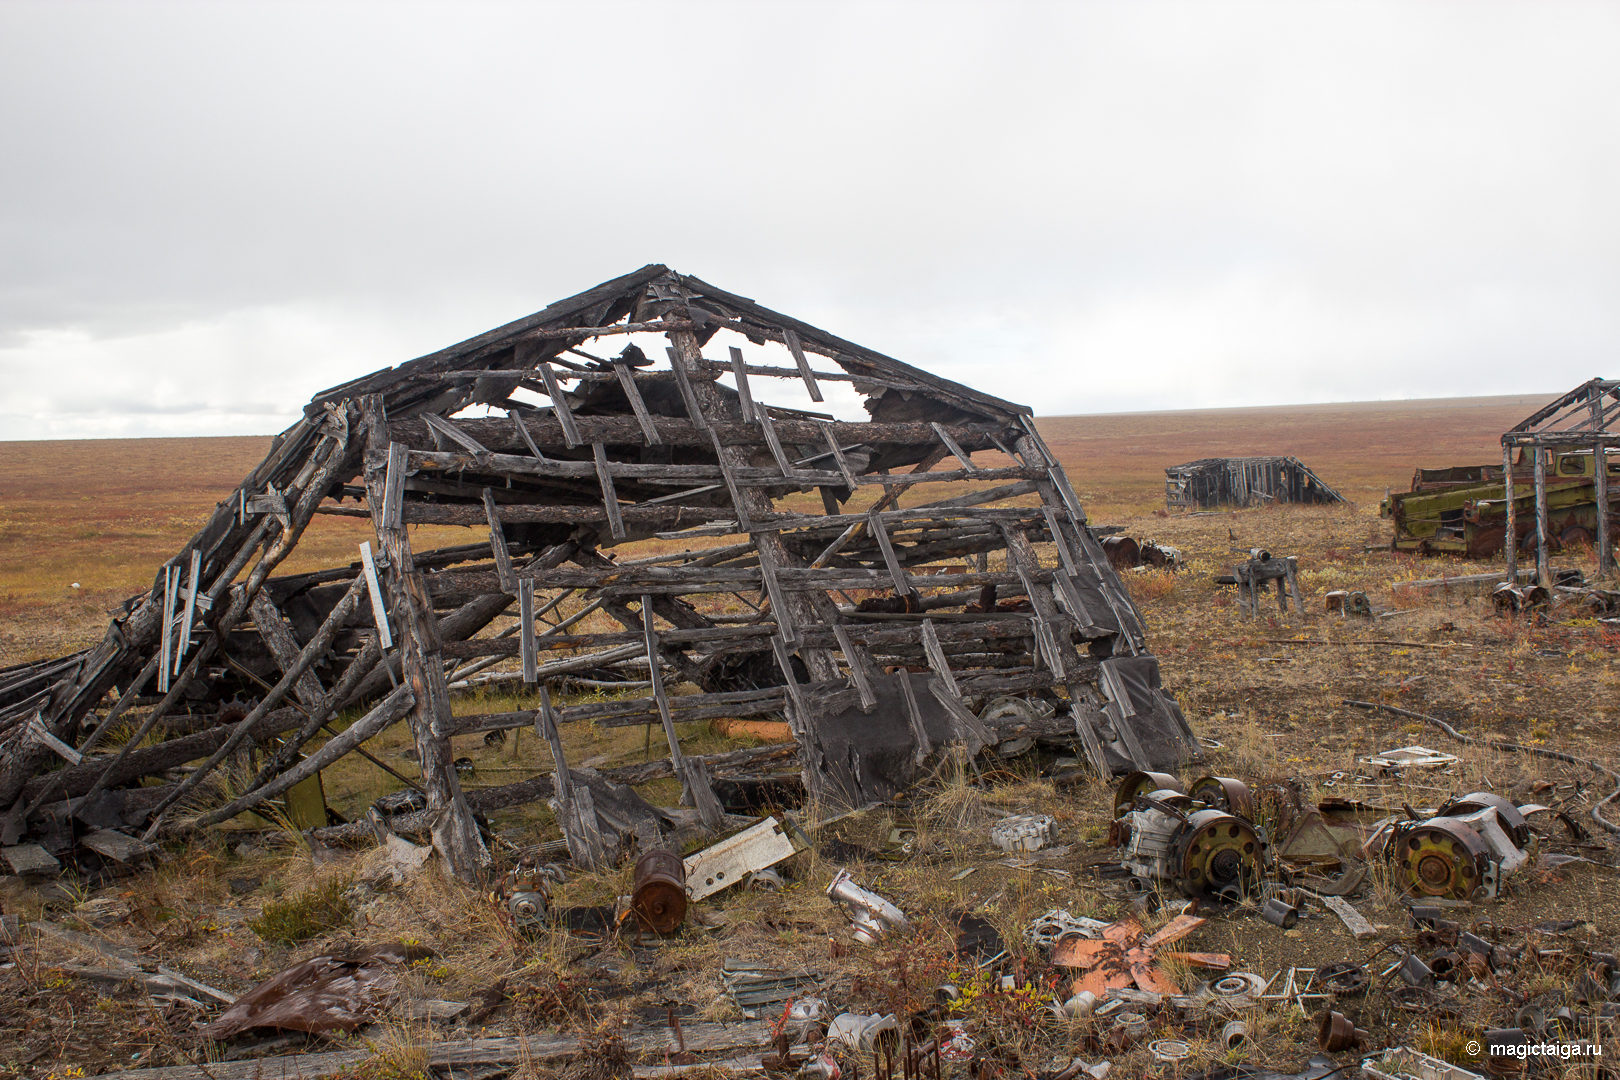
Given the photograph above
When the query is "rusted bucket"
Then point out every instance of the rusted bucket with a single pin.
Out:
(659, 897)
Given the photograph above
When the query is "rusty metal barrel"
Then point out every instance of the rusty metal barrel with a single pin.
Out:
(659, 897)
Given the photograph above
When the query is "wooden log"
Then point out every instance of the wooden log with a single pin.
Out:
(500, 436)
(284, 647)
(76, 781)
(390, 709)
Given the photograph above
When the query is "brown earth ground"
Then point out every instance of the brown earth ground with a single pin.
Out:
(1270, 692)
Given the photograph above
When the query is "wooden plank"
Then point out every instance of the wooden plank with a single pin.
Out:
(497, 545)
(166, 643)
(838, 455)
(379, 610)
(183, 640)
(955, 448)
(781, 614)
(659, 696)
(744, 394)
(523, 433)
(791, 340)
(526, 645)
(30, 859)
(454, 434)
(785, 661)
(627, 380)
(393, 493)
(936, 656)
(610, 499)
(857, 667)
(1510, 538)
(925, 746)
(559, 405)
(1543, 571)
(1353, 921)
(897, 573)
(782, 460)
(738, 504)
(683, 381)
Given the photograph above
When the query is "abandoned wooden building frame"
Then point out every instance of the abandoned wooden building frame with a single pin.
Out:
(838, 573)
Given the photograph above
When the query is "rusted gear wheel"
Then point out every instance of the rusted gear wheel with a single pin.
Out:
(1218, 855)
(1441, 858)
(1140, 783)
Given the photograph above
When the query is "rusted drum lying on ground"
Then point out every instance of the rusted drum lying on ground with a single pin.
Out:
(659, 897)
(1140, 783)
(1224, 793)
(1441, 857)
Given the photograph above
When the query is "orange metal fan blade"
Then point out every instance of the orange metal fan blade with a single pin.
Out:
(1148, 976)
(1081, 952)
(1217, 960)
(1125, 933)
(1174, 930)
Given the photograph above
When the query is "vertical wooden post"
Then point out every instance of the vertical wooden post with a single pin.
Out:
(455, 835)
(1543, 574)
(1600, 481)
(1510, 538)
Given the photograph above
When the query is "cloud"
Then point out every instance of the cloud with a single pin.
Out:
(215, 210)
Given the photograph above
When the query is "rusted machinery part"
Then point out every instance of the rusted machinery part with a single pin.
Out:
(659, 897)
(1335, 1032)
(1441, 857)
(1219, 855)
(1512, 820)
(1517, 748)
(1140, 783)
(1225, 793)
(1343, 980)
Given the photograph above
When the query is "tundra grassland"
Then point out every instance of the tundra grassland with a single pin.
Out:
(1270, 693)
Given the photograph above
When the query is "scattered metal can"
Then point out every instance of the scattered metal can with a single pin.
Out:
(659, 897)
(1278, 913)
(1234, 1034)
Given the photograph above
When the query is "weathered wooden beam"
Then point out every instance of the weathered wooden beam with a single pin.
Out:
(455, 836)
(627, 381)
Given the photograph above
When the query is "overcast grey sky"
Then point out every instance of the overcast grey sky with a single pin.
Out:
(210, 211)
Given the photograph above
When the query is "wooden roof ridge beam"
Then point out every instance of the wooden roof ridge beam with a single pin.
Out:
(546, 431)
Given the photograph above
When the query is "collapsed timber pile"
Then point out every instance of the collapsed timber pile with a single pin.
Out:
(628, 449)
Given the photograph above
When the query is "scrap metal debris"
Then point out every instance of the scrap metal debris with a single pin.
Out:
(323, 993)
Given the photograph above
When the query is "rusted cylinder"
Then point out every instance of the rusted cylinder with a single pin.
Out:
(1335, 1033)
(659, 897)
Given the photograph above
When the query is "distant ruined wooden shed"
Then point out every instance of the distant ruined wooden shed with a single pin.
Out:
(810, 568)
(1243, 481)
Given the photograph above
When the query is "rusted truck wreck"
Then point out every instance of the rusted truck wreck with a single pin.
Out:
(823, 538)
